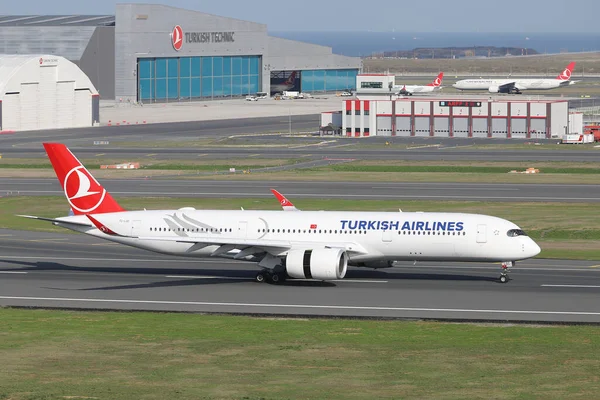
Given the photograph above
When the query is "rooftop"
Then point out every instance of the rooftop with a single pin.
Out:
(57, 20)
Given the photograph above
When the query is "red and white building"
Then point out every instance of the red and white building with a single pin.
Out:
(453, 117)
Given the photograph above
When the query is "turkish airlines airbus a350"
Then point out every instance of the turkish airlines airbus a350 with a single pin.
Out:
(516, 86)
(409, 90)
(303, 245)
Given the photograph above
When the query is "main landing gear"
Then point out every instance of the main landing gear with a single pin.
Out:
(275, 276)
(505, 270)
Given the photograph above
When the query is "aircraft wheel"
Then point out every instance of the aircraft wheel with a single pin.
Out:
(503, 278)
(260, 277)
(275, 278)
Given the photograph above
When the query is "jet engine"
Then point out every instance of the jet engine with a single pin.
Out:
(494, 89)
(320, 264)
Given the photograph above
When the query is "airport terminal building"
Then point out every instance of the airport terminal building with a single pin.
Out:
(158, 53)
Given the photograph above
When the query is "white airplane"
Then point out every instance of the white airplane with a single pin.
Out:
(409, 90)
(516, 86)
(318, 245)
(289, 83)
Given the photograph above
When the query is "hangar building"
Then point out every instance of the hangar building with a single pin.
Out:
(45, 92)
(452, 117)
(159, 53)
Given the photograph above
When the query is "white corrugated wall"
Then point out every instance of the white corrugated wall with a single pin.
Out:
(29, 106)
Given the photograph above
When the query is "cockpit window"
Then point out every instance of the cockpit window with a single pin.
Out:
(515, 233)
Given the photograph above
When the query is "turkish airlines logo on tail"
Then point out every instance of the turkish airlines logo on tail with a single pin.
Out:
(438, 81)
(566, 74)
(177, 37)
(82, 191)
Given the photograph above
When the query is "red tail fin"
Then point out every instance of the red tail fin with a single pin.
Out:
(291, 79)
(285, 203)
(437, 82)
(566, 74)
(84, 193)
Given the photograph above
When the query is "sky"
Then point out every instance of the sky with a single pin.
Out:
(354, 15)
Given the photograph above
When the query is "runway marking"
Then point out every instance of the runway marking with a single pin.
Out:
(114, 259)
(13, 272)
(151, 155)
(202, 155)
(5, 235)
(101, 154)
(457, 188)
(254, 155)
(306, 306)
(594, 266)
(573, 286)
(423, 147)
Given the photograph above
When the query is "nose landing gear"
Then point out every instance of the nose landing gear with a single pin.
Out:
(505, 270)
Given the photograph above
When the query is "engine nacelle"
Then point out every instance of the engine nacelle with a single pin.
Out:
(320, 264)
(494, 89)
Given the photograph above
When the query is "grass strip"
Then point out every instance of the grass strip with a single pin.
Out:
(50, 354)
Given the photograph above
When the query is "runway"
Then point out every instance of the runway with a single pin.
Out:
(422, 150)
(165, 187)
(76, 271)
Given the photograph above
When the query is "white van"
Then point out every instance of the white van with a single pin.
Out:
(262, 95)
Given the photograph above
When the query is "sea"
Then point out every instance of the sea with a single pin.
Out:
(362, 44)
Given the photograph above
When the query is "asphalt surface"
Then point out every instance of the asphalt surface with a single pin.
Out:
(165, 187)
(423, 151)
(76, 271)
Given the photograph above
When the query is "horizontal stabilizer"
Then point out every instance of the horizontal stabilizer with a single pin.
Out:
(55, 220)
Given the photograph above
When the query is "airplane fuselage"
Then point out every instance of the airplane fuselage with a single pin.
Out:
(520, 84)
(366, 236)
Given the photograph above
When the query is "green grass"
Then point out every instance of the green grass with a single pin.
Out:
(66, 354)
(558, 226)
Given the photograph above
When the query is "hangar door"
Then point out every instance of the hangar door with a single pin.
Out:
(11, 112)
(441, 126)
(402, 126)
(83, 101)
(422, 127)
(384, 126)
(518, 128)
(461, 127)
(29, 106)
(480, 127)
(65, 104)
(538, 128)
(499, 129)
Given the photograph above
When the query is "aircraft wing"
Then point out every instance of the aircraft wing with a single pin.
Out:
(506, 87)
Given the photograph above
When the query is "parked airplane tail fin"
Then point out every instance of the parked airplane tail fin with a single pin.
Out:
(437, 81)
(566, 74)
(292, 79)
(84, 194)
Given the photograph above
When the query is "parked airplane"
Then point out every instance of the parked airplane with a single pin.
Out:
(289, 83)
(515, 85)
(304, 245)
(409, 90)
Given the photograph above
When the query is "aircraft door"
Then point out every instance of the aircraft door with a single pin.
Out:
(481, 234)
(386, 236)
(242, 229)
(136, 228)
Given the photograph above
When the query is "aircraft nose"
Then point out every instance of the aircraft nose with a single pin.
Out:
(534, 249)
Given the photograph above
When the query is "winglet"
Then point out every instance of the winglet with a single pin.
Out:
(285, 203)
(101, 226)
